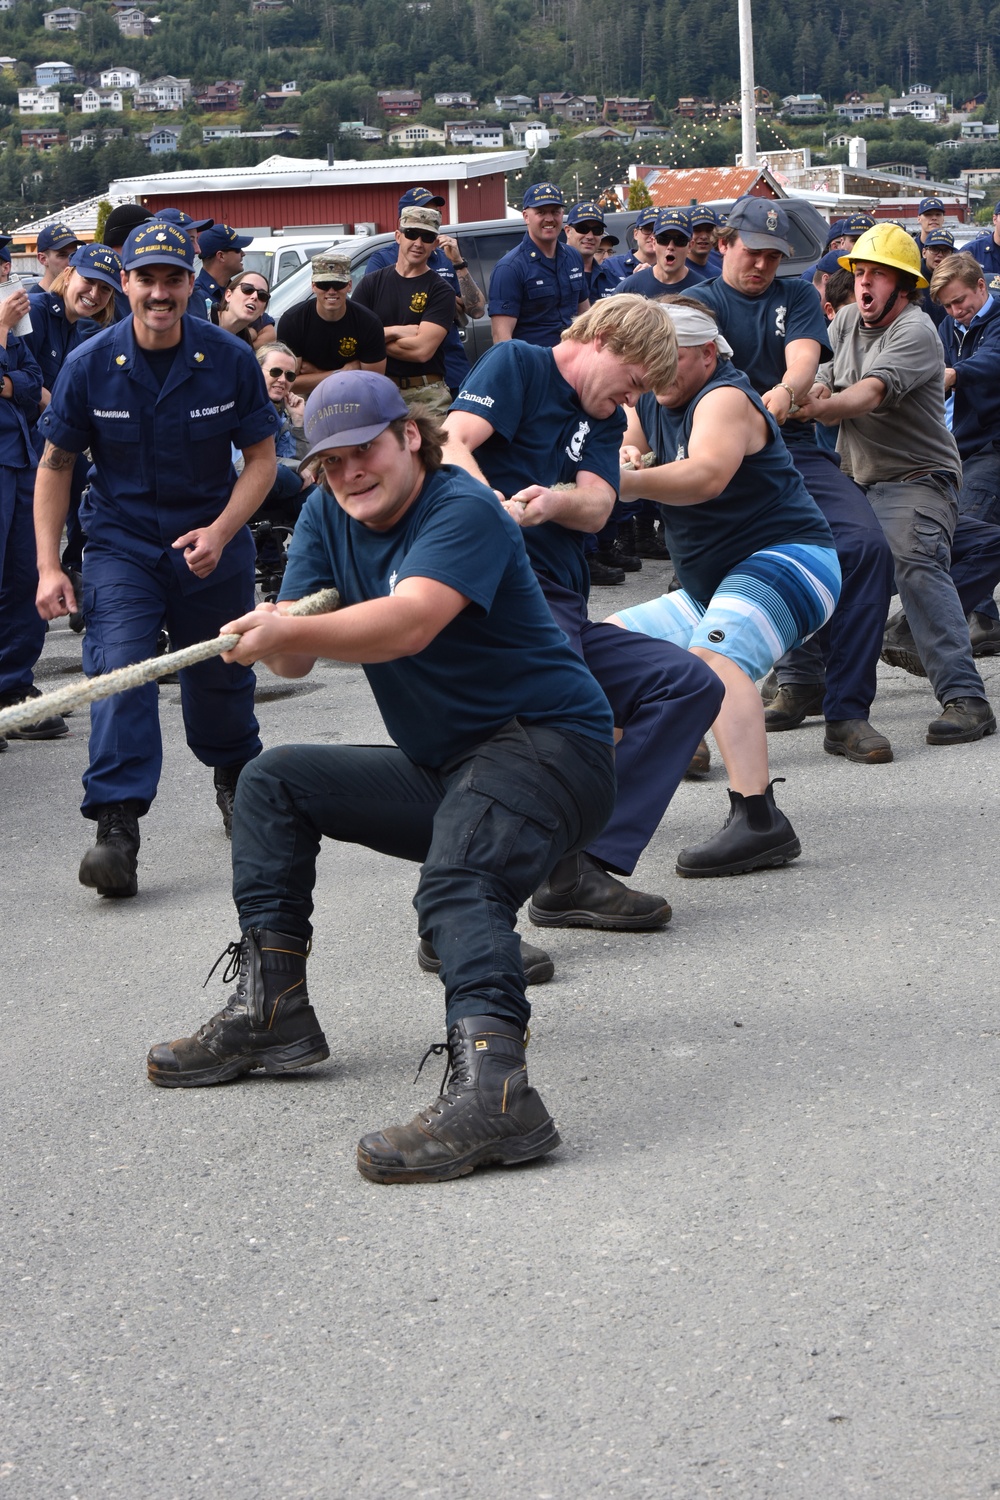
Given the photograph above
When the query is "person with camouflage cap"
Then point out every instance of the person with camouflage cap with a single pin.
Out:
(330, 330)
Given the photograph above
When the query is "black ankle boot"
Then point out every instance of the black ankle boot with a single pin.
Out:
(536, 963)
(111, 866)
(648, 542)
(487, 1114)
(268, 1023)
(755, 836)
(225, 778)
(580, 893)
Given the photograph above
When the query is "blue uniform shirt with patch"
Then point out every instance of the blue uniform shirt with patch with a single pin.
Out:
(759, 328)
(541, 435)
(17, 361)
(162, 457)
(53, 336)
(456, 361)
(542, 292)
(646, 283)
(503, 657)
(986, 251)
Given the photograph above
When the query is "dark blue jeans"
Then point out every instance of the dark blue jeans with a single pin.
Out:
(979, 498)
(488, 828)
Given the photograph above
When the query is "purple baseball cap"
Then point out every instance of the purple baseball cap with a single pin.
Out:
(351, 407)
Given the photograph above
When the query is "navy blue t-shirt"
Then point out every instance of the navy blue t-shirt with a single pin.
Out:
(645, 283)
(765, 504)
(503, 657)
(758, 328)
(542, 435)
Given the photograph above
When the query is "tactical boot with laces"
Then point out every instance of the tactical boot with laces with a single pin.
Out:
(268, 1023)
(487, 1114)
(111, 866)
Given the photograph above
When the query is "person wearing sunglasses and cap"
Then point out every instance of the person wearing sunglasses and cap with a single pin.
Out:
(330, 330)
(416, 309)
(447, 261)
(645, 246)
(670, 275)
(704, 223)
(494, 774)
(585, 228)
(160, 400)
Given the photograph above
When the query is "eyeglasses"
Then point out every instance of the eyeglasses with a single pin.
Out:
(253, 291)
(671, 239)
(588, 228)
(279, 374)
(423, 235)
(332, 286)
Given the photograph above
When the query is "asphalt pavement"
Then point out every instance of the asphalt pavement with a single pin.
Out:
(763, 1264)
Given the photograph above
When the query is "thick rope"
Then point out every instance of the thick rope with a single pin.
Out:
(91, 689)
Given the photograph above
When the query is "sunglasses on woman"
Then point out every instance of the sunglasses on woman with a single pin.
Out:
(279, 374)
(424, 235)
(253, 291)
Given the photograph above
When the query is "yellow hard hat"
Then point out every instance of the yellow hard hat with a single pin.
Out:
(886, 245)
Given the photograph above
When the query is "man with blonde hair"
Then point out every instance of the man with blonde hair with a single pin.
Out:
(543, 428)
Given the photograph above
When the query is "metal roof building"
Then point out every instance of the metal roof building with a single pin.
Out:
(292, 192)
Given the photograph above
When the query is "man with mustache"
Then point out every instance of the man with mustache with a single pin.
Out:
(160, 400)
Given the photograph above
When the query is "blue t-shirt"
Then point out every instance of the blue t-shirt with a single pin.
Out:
(645, 283)
(503, 657)
(758, 329)
(765, 504)
(542, 292)
(541, 435)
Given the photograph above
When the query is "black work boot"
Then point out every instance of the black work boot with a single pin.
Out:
(899, 649)
(755, 836)
(51, 728)
(984, 634)
(648, 541)
(580, 893)
(268, 1023)
(536, 963)
(487, 1113)
(225, 778)
(793, 702)
(618, 556)
(110, 867)
(601, 574)
(963, 720)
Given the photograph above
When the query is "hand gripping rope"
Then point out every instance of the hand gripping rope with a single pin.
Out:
(90, 689)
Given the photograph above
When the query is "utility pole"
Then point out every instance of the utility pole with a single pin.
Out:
(748, 98)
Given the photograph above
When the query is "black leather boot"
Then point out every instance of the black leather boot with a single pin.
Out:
(580, 893)
(536, 963)
(648, 542)
(111, 866)
(755, 836)
(899, 649)
(792, 703)
(268, 1023)
(487, 1113)
(225, 778)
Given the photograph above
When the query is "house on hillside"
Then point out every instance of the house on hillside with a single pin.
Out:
(42, 138)
(134, 23)
(801, 106)
(38, 102)
(566, 106)
(398, 103)
(49, 75)
(513, 104)
(920, 103)
(277, 98)
(474, 135)
(120, 78)
(92, 100)
(161, 140)
(629, 111)
(407, 136)
(222, 96)
(166, 93)
(454, 99)
(64, 18)
(856, 110)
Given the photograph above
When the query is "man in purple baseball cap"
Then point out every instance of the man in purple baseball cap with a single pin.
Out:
(502, 763)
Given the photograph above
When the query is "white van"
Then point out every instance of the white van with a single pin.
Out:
(277, 258)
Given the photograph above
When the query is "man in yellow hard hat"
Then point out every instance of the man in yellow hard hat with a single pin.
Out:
(885, 387)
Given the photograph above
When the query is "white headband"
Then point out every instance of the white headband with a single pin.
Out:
(694, 328)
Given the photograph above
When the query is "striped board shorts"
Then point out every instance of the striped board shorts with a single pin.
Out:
(771, 602)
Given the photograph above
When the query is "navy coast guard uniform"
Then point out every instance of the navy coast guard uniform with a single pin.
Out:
(161, 433)
(542, 292)
(22, 630)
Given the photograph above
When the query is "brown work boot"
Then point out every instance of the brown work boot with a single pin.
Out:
(855, 739)
(701, 762)
(268, 1023)
(487, 1114)
(580, 893)
(963, 720)
(793, 702)
(984, 634)
(536, 963)
(899, 649)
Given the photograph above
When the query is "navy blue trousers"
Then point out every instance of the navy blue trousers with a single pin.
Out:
(849, 644)
(663, 700)
(22, 629)
(487, 827)
(126, 603)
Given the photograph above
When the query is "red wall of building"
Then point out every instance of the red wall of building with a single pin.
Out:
(482, 198)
